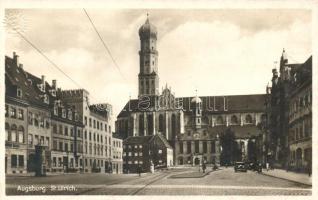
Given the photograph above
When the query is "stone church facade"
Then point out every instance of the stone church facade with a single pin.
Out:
(192, 125)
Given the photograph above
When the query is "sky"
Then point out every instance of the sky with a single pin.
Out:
(213, 51)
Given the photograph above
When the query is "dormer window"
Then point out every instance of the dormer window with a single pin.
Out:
(55, 111)
(69, 114)
(53, 92)
(41, 87)
(46, 99)
(63, 113)
(19, 93)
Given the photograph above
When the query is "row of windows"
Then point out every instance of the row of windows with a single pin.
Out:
(96, 124)
(132, 146)
(300, 131)
(38, 140)
(116, 143)
(300, 103)
(135, 161)
(17, 160)
(14, 134)
(96, 137)
(58, 162)
(66, 146)
(98, 150)
(38, 120)
(66, 130)
(14, 112)
(196, 147)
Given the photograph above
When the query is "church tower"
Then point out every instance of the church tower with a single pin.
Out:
(148, 58)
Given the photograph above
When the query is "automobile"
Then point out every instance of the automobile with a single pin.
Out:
(251, 166)
(240, 166)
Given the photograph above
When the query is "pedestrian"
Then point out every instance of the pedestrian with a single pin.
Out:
(259, 167)
(203, 167)
(139, 170)
(267, 166)
(309, 168)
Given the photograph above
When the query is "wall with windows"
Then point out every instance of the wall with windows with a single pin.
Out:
(15, 138)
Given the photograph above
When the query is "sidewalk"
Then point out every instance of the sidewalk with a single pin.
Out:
(291, 176)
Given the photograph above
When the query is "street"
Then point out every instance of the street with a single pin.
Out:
(169, 182)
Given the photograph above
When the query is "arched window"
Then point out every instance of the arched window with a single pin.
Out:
(150, 124)
(13, 133)
(141, 124)
(173, 126)
(8, 136)
(248, 119)
(161, 123)
(180, 160)
(21, 134)
(234, 120)
(219, 120)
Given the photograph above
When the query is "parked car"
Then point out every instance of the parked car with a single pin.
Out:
(252, 166)
(240, 166)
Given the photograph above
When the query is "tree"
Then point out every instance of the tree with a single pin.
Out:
(230, 149)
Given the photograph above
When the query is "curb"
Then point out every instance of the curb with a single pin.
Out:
(203, 175)
(286, 179)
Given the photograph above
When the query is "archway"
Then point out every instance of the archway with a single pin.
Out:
(197, 161)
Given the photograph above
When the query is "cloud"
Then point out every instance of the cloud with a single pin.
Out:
(215, 51)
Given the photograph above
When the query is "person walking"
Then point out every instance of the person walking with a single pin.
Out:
(139, 170)
(203, 167)
(267, 166)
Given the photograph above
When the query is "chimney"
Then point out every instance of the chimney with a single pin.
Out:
(43, 79)
(54, 84)
(21, 66)
(15, 58)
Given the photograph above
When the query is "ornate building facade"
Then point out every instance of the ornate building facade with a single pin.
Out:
(192, 125)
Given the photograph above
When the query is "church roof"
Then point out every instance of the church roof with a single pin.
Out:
(211, 104)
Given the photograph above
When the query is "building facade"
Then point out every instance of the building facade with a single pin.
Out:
(145, 152)
(50, 130)
(192, 125)
(97, 140)
(289, 115)
(117, 150)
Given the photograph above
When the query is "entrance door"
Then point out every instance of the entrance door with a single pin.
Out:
(197, 161)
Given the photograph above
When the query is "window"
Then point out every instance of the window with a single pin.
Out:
(219, 120)
(63, 113)
(55, 145)
(94, 124)
(61, 129)
(36, 140)
(188, 147)
(234, 120)
(72, 147)
(61, 146)
(13, 133)
(181, 147)
(7, 111)
(212, 147)
(30, 139)
(7, 127)
(90, 122)
(78, 133)
(101, 126)
(13, 160)
(66, 147)
(160, 151)
(97, 124)
(69, 113)
(20, 114)
(140, 153)
(19, 93)
(36, 120)
(205, 148)
(248, 119)
(196, 145)
(13, 113)
(71, 132)
(85, 121)
(21, 160)
(47, 141)
(90, 136)
(65, 130)
(21, 134)
(54, 128)
(54, 161)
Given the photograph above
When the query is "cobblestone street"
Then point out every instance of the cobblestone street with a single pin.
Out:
(221, 182)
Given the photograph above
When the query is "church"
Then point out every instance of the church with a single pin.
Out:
(192, 125)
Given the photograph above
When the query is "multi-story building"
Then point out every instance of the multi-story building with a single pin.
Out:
(117, 149)
(48, 129)
(16, 120)
(146, 151)
(300, 118)
(97, 131)
(192, 125)
(288, 114)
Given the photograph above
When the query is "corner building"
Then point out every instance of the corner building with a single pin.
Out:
(97, 131)
(192, 125)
